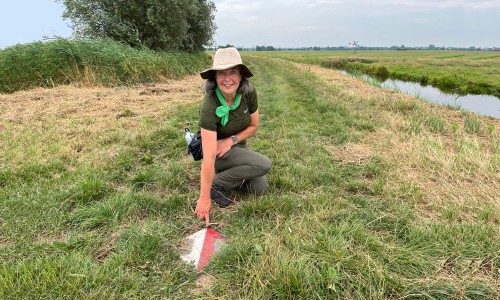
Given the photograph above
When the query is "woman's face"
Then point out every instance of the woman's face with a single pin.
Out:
(228, 81)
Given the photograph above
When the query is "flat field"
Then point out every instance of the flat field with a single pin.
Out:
(373, 194)
(461, 72)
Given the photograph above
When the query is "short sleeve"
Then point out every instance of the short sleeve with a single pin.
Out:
(208, 118)
(252, 101)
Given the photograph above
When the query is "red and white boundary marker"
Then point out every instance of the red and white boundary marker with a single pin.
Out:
(200, 247)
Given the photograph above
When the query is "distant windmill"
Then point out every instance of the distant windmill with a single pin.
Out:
(355, 44)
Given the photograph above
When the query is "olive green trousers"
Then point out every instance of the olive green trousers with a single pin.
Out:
(242, 170)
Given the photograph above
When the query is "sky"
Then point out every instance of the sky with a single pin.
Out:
(302, 23)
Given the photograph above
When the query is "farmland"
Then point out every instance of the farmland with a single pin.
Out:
(459, 72)
(373, 194)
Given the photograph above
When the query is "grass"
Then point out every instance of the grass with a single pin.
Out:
(373, 194)
(460, 72)
(87, 62)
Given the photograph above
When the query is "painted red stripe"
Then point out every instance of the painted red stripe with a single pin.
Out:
(207, 250)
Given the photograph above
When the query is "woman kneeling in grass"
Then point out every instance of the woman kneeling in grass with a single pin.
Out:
(229, 114)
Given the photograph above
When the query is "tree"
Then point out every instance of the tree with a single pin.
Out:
(186, 25)
(265, 48)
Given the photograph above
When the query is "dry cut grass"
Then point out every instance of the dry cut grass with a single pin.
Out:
(68, 122)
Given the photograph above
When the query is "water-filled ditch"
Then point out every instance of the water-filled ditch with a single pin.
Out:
(481, 104)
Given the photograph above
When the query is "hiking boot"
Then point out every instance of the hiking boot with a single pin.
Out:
(219, 196)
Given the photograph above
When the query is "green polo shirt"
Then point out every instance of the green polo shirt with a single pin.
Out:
(239, 119)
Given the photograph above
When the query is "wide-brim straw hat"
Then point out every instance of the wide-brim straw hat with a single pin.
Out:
(226, 58)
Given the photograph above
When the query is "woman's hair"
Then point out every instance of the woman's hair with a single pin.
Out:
(211, 84)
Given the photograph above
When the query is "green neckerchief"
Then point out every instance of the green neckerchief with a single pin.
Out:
(223, 110)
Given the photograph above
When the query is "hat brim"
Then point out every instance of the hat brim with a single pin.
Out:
(209, 73)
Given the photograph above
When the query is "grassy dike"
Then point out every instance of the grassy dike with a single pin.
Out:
(373, 195)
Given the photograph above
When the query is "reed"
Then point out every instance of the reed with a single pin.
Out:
(88, 63)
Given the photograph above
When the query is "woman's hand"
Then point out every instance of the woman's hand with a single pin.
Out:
(224, 145)
(202, 210)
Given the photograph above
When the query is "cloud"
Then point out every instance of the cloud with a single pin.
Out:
(305, 28)
(334, 22)
(238, 6)
(428, 5)
(313, 4)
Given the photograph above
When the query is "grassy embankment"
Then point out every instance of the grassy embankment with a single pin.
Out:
(85, 62)
(373, 195)
(461, 72)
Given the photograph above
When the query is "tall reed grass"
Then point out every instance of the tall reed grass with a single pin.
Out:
(89, 62)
